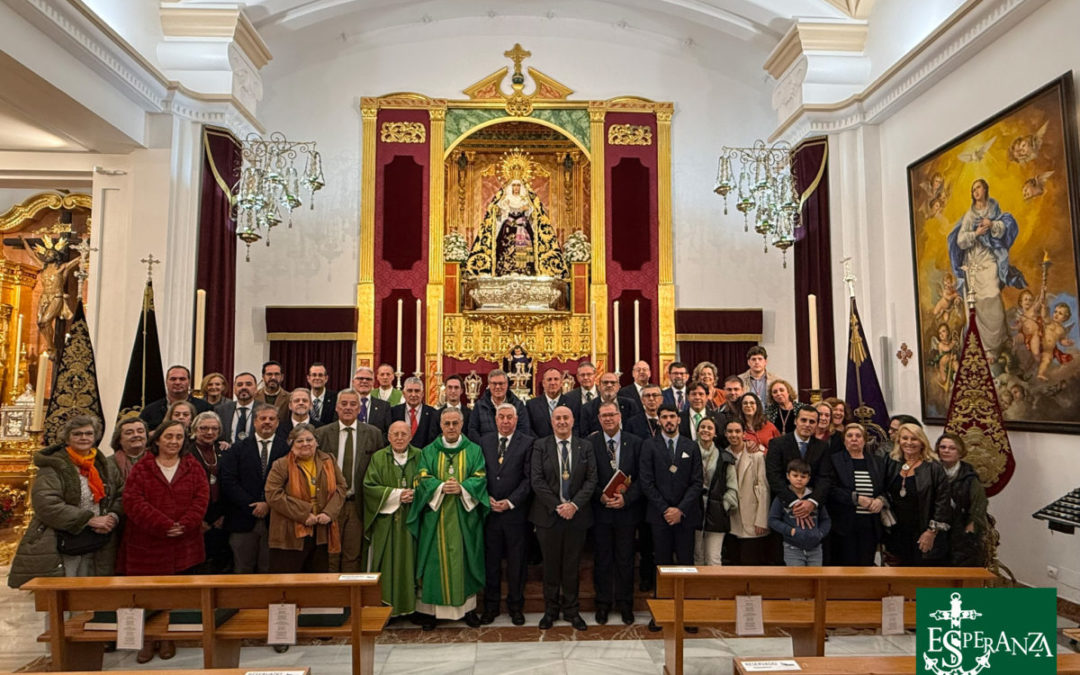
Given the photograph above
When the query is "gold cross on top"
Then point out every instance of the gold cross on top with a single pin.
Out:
(150, 261)
(517, 55)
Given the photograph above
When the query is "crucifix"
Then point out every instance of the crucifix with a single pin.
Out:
(517, 55)
(150, 261)
(85, 249)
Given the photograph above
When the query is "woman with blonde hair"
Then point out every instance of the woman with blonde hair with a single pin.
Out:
(841, 414)
(214, 388)
(707, 374)
(783, 408)
(918, 492)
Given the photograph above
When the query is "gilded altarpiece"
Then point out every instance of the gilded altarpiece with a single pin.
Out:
(460, 160)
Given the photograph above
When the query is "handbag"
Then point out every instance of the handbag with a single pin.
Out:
(86, 541)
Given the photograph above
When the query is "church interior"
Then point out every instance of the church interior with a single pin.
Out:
(884, 195)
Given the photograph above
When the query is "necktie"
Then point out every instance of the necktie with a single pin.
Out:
(241, 426)
(652, 425)
(264, 454)
(802, 449)
(564, 483)
(697, 421)
(679, 400)
(588, 396)
(671, 449)
(551, 406)
(363, 410)
(412, 420)
(502, 448)
(316, 408)
(346, 467)
(611, 452)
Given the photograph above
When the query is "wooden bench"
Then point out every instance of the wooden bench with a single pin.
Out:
(1067, 664)
(209, 671)
(75, 647)
(804, 601)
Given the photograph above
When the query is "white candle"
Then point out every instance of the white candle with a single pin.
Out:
(200, 335)
(593, 334)
(38, 420)
(18, 346)
(419, 347)
(637, 331)
(615, 323)
(399, 307)
(815, 381)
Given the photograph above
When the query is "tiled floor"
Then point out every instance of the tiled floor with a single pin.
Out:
(20, 625)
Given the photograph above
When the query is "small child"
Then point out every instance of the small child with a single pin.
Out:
(802, 546)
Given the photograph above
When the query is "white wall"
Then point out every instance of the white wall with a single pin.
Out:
(312, 91)
(871, 210)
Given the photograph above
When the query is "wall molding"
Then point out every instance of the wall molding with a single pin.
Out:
(956, 41)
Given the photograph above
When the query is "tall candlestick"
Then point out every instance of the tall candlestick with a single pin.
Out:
(615, 323)
(200, 335)
(637, 331)
(811, 301)
(400, 304)
(15, 370)
(38, 420)
(419, 344)
(594, 334)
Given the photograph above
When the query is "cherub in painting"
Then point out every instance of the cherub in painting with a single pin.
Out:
(1055, 331)
(1025, 147)
(1029, 322)
(944, 353)
(950, 308)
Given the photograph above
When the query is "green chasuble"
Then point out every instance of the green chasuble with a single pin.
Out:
(391, 546)
(450, 557)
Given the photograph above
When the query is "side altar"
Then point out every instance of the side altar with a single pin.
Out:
(516, 221)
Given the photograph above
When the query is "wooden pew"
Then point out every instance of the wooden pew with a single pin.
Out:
(802, 600)
(210, 671)
(1067, 664)
(74, 647)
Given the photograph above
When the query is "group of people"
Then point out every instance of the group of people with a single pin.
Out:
(440, 500)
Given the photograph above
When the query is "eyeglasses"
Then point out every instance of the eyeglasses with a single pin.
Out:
(651, 395)
(82, 434)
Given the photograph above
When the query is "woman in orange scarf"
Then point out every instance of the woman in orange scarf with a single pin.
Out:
(305, 490)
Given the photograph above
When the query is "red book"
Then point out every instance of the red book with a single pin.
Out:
(618, 483)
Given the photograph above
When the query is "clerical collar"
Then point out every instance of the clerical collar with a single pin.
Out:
(400, 457)
(448, 445)
(386, 391)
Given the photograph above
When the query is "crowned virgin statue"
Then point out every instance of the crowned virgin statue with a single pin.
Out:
(516, 236)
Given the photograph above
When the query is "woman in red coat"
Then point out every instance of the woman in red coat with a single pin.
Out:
(165, 500)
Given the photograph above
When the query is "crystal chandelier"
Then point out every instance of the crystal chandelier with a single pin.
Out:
(766, 191)
(270, 185)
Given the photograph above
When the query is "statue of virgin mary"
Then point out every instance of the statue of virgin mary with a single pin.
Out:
(516, 236)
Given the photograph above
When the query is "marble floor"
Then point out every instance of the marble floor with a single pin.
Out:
(20, 625)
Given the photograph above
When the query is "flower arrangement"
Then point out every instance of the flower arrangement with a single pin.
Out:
(577, 248)
(10, 499)
(454, 248)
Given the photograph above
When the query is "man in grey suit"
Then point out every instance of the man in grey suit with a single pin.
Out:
(351, 443)
(236, 416)
(563, 479)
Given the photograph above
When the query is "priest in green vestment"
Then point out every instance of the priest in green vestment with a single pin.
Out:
(451, 501)
(389, 486)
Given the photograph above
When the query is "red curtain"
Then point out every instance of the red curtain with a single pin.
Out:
(216, 263)
(739, 329)
(295, 342)
(295, 357)
(814, 266)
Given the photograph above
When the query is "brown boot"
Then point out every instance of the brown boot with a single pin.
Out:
(168, 650)
(147, 652)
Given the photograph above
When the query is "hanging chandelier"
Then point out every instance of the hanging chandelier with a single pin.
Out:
(271, 185)
(765, 189)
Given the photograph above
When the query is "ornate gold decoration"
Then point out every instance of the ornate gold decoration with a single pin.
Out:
(514, 292)
(629, 134)
(403, 132)
(35, 204)
(491, 336)
(76, 389)
(516, 165)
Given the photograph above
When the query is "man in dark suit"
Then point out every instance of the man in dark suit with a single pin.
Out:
(351, 443)
(422, 419)
(672, 479)
(373, 411)
(609, 388)
(676, 394)
(323, 400)
(696, 410)
(646, 422)
(800, 444)
(482, 417)
(541, 407)
(177, 388)
(507, 453)
(642, 374)
(453, 388)
(237, 416)
(616, 518)
(586, 391)
(242, 476)
(563, 478)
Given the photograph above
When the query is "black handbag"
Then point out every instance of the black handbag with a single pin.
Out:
(86, 541)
